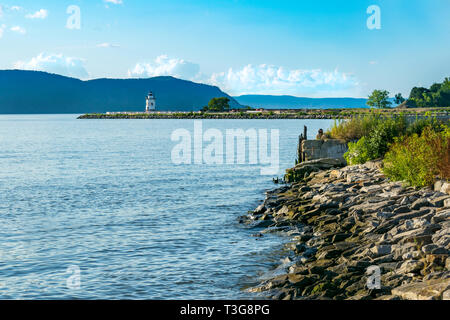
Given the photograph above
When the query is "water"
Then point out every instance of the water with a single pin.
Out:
(104, 196)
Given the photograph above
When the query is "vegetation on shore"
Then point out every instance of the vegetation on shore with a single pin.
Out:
(419, 158)
(438, 95)
(415, 152)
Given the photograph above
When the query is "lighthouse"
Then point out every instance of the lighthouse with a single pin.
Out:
(150, 102)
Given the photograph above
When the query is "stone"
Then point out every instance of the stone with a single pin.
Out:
(447, 203)
(412, 255)
(371, 189)
(419, 203)
(410, 266)
(260, 209)
(428, 248)
(439, 251)
(283, 211)
(445, 188)
(441, 216)
(428, 290)
(438, 185)
(446, 295)
(439, 201)
(381, 250)
(401, 209)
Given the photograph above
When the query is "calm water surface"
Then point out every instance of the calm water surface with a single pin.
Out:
(104, 195)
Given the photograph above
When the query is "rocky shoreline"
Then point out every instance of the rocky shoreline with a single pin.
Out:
(356, 235)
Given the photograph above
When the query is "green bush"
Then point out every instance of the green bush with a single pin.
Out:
(419, 125)
(418, 159)
(376, 142)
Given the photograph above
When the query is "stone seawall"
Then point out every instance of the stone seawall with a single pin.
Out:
(356, 235)
(319, 149)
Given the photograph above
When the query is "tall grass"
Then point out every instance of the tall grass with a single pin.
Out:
(356, 127)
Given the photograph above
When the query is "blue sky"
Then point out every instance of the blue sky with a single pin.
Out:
(304, 48)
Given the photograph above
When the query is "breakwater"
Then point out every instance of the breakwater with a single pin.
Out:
(356, 235)
(196, 115)
(410, 115)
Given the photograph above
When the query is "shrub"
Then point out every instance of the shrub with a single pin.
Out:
(419, 125)
(418, 159)
(376, 142)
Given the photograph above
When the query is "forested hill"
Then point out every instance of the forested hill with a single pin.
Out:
(40, 92)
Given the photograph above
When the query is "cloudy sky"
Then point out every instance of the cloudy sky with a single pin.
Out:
(304, 48)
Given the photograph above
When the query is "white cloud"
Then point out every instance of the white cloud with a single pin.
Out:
(41, 14)
(18, 29)
(1, 11)
(55, 63)
(15, 8)
(114, 1)
(269, 79)
(164, 66)
(107, 45)
(261, 79)
(2, 29)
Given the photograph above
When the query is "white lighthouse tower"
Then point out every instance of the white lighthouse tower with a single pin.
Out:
(150, 102)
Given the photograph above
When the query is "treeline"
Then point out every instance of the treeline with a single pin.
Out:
(438, 95)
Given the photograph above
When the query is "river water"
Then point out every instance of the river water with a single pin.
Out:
(97, 209)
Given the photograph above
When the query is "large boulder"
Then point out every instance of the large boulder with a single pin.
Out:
(426, 290)
(303, 169)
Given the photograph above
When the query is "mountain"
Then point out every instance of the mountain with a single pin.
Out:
(40, 92)
(291, 102)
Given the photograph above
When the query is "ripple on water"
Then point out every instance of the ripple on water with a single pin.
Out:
(104, 196)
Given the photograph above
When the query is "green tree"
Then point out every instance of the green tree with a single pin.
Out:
(399, 99)
(379, 99)
(218, 105)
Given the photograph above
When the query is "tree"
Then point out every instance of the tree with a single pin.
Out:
(379, 99)
(399, 99)
(218, 105)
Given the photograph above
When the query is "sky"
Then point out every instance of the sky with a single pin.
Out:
(320, 48)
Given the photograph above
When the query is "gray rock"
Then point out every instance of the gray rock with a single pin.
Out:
(428, 290)
(412, 255)
(429, 248)
(381, 250)
(447, 203)
(445, 188)
(446, 295)
(441, 216)
(439, 201)
(439, 250)
(410, 266)
(401, 209)
(260, 209)
(438, 185)
(420, 203)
